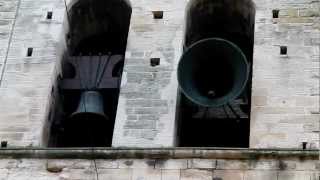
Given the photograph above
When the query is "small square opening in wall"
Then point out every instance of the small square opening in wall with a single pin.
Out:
(304, 145)
(155, 62)
(283, 50)
(157, 14)
(29, 51)
(275, 13)
(68, 36)
(49, 14)
(4, 144)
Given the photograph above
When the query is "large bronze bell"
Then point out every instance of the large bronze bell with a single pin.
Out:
(213, 72)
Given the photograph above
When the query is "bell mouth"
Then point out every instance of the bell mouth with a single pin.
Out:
(213, 76)
(213, 72)
(87, 121)
(90, 108)
(88, 117)
(87, 129)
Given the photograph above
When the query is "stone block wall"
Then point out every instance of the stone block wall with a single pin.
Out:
(285, 93)
(285, 88)
(147, 102)
(214, 168)
(26, 82)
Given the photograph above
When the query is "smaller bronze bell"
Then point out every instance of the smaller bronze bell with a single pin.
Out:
(88, 125)
(90, 106)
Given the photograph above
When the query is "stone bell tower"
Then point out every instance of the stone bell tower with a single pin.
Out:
(161, 90)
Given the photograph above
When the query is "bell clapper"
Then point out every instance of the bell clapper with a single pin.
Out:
(211, 93)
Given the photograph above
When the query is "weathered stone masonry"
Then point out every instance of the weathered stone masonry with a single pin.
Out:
(285, 89)
(182, 164)
(285, 94)
(146, 109)
(26, 81)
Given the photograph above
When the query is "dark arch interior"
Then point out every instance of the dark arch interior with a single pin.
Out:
(96, 28)
(229, 125)
(232, 20)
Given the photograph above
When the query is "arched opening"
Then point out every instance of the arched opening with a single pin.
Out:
(84, 105)
(217, 34)
(98, 26)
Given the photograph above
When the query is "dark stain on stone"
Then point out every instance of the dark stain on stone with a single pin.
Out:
(4, 22)
(54, 169)
(151, 163)
(128, 163)
(139, 155)
(3, 34)
(161, 162)
(282, 165)
(142, 28)
(217, 178)
(252, 164)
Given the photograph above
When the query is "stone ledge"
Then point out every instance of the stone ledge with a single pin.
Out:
(158, 153)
